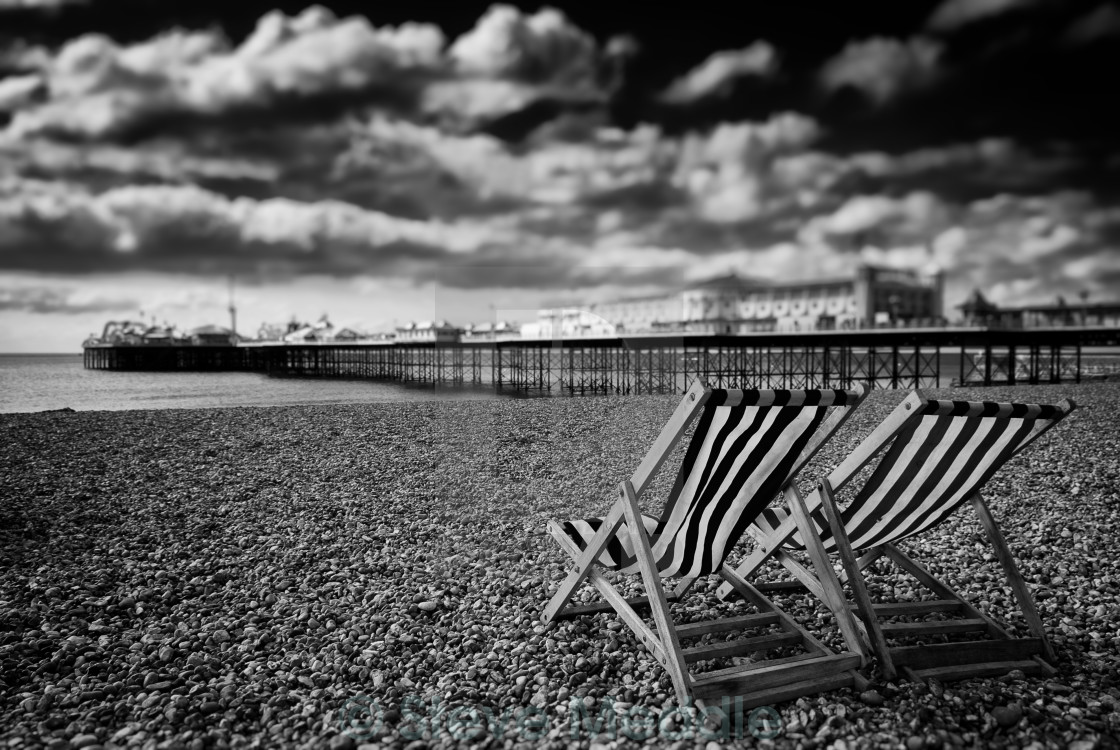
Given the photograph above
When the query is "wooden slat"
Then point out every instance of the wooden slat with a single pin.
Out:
(786, 692)
(584, 559)
(639, 603)
(740, 646)
(670, 435)
(783, 586)
(753, 595)
(618, 602)
(968, 652)
(897, 609)
(903, 414)
(870, 625)
(659, 607)
(768, 677)
(804, 576)
(715, 673)
(901, 629)
(983, 669)
(629, 616)
(824, 433)
(828, 428)
(931, 582)
(740, 622)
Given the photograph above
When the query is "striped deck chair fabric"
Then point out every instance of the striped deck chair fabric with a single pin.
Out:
(929, 470)
(744, 449)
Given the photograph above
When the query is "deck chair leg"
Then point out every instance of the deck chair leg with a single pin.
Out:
(675, 661)
(1018, 585)
(826, 575)
(855, 578)
(584, 563)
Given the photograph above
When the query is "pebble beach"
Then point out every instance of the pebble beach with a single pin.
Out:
(333, 576)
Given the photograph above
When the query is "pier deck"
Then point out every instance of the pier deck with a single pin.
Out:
(889, 358)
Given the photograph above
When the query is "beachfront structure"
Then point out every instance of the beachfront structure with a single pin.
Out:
(500, 331)
(977, 310)
(428, 331)
(212, 336)
(873, 297)
(567, 323)
(637, 314)
(350, 334)
(323, 330)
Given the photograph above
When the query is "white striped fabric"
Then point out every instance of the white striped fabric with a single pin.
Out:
(742, 452)
(948, 454)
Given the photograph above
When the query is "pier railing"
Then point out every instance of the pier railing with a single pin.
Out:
(664, 364)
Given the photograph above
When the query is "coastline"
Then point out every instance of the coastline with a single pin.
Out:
(271, 565)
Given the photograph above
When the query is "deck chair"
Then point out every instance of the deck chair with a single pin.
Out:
(746, 448)
(933, 456)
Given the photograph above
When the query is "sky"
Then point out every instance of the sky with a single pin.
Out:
(385, 162)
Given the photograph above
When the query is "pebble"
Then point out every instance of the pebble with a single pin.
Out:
(261, 590)
(871, 698)
(1007, 716)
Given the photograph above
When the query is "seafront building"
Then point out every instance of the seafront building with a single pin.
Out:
(428, 332)
(873, 297)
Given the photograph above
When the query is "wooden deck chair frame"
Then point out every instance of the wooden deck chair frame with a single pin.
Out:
(773, 681)
(949, 661)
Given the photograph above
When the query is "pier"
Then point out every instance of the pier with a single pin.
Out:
(886, 358)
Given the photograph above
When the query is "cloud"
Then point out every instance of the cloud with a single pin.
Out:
(101, 90)
(953, 14)
(17, 92)
(880, 219)
(52, 226)
(730, 173)
(1096, 25)
(311, 66)
(46, 5)
(18, 56)
(884, 69)
(112, 165)
(542, 48)
(712, 76)
(54, 300)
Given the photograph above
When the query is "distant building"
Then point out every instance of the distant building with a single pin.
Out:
(160, 336)
(977, 310)
(429, 331)
(874, 297)
(500, 331)
(322, 331)
(568, 323)
(350, 334)
(640, 314)
(212, 336)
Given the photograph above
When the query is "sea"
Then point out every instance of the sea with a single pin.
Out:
(46, 382)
